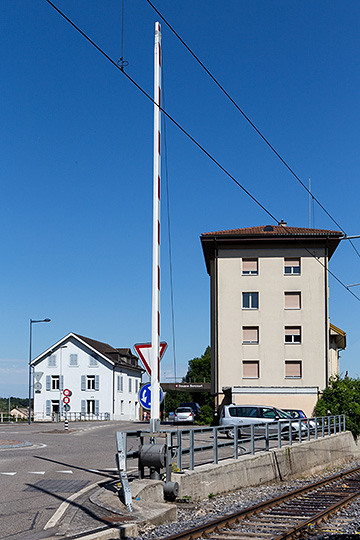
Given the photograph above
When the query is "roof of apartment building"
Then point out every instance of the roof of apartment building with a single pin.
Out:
(265, 234)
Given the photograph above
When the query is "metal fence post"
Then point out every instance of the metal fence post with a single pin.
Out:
(215, 439)
(180, 451)
(316, 428)
(267, 440)
(192, 450)
(290, 432)
(236, 443)
(252, 433)
(279, 434)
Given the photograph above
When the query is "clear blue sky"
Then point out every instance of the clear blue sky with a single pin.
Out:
(76, 160)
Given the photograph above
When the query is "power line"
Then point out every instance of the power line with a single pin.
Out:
(187, 134)
(219, 85)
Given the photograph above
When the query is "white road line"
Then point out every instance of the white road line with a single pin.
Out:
(8, 473)
(64, 505)
(66, 472)
(36, 472)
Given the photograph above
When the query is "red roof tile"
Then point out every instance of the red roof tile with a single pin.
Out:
(274, 230)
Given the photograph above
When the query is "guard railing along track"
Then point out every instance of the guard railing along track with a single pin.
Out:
(284, 517)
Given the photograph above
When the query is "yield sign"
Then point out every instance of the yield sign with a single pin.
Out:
(144, 351)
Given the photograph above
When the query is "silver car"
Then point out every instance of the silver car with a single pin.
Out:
(184, 415)
(245, 415)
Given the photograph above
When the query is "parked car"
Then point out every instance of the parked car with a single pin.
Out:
(194, 406)
(245, 415)
(184, 415)
(298, 413)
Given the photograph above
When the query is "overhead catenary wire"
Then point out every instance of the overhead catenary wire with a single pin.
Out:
(247, 118)
(187, 134)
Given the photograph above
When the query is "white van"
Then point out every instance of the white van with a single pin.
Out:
(245, 415)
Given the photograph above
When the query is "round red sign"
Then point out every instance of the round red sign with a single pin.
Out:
(67, 392)
(66, 399)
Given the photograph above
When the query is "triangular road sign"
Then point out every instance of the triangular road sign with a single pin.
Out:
(144, 351)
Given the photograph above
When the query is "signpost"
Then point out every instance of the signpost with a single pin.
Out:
(145, 396)
(66, 400)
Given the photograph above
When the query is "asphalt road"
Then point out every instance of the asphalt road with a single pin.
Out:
(35, 480)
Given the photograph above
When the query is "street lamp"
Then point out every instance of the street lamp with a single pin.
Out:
(32, 321)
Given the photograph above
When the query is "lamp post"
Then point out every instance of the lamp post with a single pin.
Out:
(32, 321)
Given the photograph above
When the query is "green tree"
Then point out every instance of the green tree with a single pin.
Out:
(342, 396)
(199, 370)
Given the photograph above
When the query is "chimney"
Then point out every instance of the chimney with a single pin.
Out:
(283, 223)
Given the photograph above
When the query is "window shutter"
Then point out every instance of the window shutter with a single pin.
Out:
(97, 379)
(251, 370)
(250, 266)
(48, 382)
(292, 330)
(292, 300)
(118, 383)
(61, 383)
(96, 406)
(48, 407)
(293, 369)
(83, 382)
(251, 334)
(291, 262)
(73, 359)
(83, 406)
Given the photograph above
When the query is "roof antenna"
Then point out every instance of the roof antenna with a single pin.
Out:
(122, 63)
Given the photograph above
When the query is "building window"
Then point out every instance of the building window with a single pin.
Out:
(136, 386)
(120, 385)
(292, 334)
(250, 300)
(73, 360)
(52, 361)
(293, 369)
(292, 266)
(250, 334)
(292, 300)
(250, 369)
(93, 362)
(130, 385)
(55, 382)
(250, 267)
(90, 382)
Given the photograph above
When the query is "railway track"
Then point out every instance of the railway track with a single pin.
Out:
(287, 516)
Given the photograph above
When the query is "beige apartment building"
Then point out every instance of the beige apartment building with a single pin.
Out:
(271, 338)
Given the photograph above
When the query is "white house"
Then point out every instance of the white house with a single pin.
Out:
(104, 382)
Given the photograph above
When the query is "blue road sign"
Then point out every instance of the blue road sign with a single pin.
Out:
(145, 396)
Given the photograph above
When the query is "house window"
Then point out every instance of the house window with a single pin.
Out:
(250, 369)
(52, 361)
(250, 334)
(292, 266)
(92, 361)
(73, 360)
(293, 369)
(130, 385)
(250, 300)
(136, 386)
(90, 382)
(250, 267)
(292, 334)
(55, 382)
(90, 406)
(292, 300)
(120, 385)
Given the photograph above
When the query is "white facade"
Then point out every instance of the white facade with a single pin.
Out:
(104, 382)
(270, 316)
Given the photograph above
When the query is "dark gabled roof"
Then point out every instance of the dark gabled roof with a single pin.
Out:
(121, 357)
(263, 235)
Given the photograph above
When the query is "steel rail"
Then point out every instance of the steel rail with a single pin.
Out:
(216, 527)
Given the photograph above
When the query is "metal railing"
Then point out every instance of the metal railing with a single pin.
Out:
(190, 447)
(70, 416)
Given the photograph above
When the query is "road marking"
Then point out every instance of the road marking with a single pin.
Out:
(93, 470)
(9, 473)
(64, 506)
(65, 472)
(36, 472)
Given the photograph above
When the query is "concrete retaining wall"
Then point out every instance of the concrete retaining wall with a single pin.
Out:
(278, 464)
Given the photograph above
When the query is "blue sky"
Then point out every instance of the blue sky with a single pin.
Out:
(76, 161)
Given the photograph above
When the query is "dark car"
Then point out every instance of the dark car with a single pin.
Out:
(194, 406)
